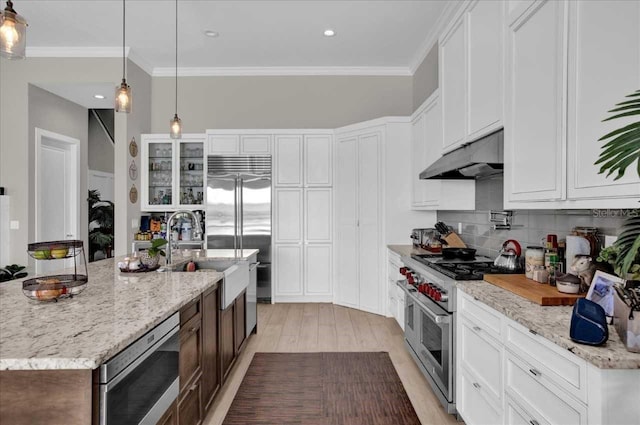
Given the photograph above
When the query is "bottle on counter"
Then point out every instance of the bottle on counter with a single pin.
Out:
(534, 256)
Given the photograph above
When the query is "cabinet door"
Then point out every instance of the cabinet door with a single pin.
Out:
(318, 214)
(602, 33)
(317, 269)
(240, 320)
(370, 275)
(190, 364)
(534, 138)
(191, 170)
(170, 417)
(288, 215)
(157, 177)
(485, 23)
(223, 144)
(255, 144)
(347, 255)
(288, 162)
(210, 365)
(453, 86)
(419, 159)
(288, 269)
(473, 403)
(515, 415)
(190, 408)
(227, 343)
(318, 160)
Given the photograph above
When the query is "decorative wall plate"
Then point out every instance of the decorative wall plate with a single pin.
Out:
(133, 147)
(133, 194)
(133, 170)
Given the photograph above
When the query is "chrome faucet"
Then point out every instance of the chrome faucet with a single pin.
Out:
(197, 231)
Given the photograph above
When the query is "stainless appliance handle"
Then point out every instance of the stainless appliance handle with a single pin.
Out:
(235, 219)
(263, 266)
(241, 214)
(254, 266)
(438, 318)
(155, 413)
(115, 381)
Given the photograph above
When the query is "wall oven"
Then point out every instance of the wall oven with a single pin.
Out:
(141, 382)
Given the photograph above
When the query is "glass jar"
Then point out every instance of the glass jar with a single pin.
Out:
(534, 256)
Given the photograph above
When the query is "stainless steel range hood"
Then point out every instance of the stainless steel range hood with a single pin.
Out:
(481, 158)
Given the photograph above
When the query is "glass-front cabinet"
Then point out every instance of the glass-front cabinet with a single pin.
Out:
(173, 172)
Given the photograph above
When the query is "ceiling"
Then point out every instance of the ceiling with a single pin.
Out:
(384, 36)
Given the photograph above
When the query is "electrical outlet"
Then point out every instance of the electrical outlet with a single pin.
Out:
(459, 228)
(134, 223)
(14, 225)
(609, 240)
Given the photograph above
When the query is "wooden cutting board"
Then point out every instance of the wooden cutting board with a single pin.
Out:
(538, 293)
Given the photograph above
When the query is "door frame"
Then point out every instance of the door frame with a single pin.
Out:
(73, 146)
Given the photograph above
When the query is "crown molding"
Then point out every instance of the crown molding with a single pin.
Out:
(283, 71)
(140, 61)
(432, 38)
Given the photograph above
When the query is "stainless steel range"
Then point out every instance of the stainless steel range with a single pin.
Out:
(430, 315)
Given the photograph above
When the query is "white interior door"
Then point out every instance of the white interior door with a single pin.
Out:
(57, 192)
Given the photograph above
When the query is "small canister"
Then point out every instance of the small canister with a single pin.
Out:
(534, 256)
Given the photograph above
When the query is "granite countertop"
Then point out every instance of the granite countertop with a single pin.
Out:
(83, 332)
(407, 250)
(553, 323)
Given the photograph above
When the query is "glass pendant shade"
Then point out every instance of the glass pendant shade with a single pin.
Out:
(13, 33)
(123, 97)
(176, 127)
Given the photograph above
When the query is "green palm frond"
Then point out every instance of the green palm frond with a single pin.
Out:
(628, 243)
(623, 147)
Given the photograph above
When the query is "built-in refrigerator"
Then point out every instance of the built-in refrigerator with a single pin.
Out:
(238, 213)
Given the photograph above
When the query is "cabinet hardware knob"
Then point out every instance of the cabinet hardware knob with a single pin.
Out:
(193, 387)
(475, 384)
(533, 332)
(192, 330)
(477, 328)
(535, 372)
(534, 422)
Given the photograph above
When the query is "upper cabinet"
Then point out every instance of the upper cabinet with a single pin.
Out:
(172, 172)
(224, 143)
(288, 160)
(568, 63)
(303, 160)
(471, 71)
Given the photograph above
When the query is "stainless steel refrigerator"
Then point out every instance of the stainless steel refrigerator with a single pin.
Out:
(238, 214)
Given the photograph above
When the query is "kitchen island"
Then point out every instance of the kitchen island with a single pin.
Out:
(61, 345)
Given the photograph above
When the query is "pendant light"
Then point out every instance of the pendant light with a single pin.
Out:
(124, 97)
(176, 123)
(13, 33)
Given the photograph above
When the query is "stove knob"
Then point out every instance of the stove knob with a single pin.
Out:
(410, 278)
(432, 291)
(403, 271)
(438, 295)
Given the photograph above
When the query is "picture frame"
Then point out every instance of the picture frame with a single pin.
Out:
(601, 290)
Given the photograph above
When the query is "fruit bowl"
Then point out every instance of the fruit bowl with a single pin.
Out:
(50, 288)
(54, 250)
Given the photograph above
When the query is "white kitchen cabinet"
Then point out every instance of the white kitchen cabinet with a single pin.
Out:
(171, 172)
(318, 270)
(534, 138)
(288, 268)
(485, 41)
(473, 401)
(255, 144)
(318, 160)
(515, 415)
(318, 212)
(288, 160)
(288, 215)
(396, 294)
(236, 143)
(453, 85)
(426, 139)
(223, 144)
(604, 67)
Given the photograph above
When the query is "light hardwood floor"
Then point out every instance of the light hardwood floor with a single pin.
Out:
(328, 327)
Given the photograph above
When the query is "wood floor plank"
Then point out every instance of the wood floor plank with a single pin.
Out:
(365, 337)
(308, 340)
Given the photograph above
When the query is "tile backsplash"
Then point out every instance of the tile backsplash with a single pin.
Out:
(530, 226)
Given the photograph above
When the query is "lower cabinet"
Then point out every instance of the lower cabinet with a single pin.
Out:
(190, 405)
(170, 417)
(473, 401)
(227, 342)
(210, 369)
(240, 321)
(190, 351)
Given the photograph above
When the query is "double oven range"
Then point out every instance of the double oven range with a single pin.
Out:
(430, 315)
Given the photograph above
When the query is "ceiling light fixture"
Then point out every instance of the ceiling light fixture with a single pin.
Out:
(176, 123)
(13, 33)
(98, 96)
(329, 33)
(123, 91)
(212, 34)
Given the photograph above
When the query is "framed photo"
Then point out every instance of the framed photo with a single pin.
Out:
(601, 290)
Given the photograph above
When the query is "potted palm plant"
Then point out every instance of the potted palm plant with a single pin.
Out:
(621, 149)
(100, 225)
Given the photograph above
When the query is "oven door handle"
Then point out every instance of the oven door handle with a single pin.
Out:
(119, 377)
(438, 318)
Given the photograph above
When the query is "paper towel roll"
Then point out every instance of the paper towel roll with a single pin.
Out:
(576, 245)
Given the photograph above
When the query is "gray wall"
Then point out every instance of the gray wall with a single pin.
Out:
(100, 147)
(278, 102)
(425, 79)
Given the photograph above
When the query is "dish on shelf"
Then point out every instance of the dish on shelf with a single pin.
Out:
(50, 288)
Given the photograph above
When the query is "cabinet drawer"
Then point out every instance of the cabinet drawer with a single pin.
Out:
(515, 414)
(552, 363)
(484, 318)
(190, 362)
(540, 397)
(189, 311)
(190, 409)
(475, 404)
(255, 144)
(483, 356)
(223, 144)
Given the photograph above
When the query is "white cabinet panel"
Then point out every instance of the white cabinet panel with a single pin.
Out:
(453, 86)
(534, 138)
(255, 144)
(318, 214)
(288, 161)
(515, 415)
(419, 160)
(288, 215)
(223, 144)
(317, 269)
(288, 270)
(318, 159)
(485, 54)
(474, 407)
(604, 67)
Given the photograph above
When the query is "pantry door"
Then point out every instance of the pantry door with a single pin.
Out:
(57, 189)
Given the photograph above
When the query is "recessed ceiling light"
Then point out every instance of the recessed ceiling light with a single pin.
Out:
(329, 33)
(212, 34)
(98, 96)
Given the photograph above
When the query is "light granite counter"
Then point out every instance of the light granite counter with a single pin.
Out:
(83, 332)
(407, 250)
(553, 324)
